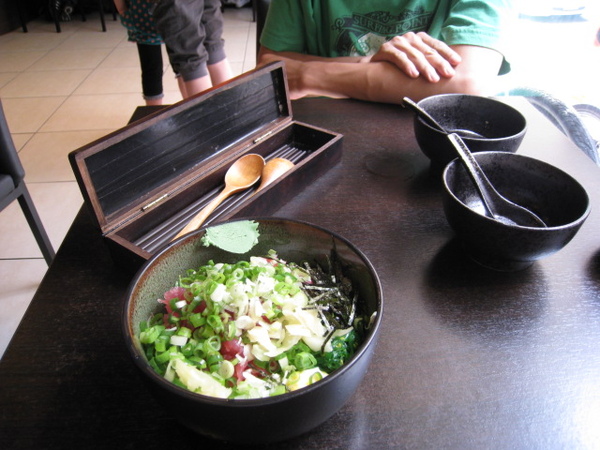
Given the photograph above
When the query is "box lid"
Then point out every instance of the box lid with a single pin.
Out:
(131, 168)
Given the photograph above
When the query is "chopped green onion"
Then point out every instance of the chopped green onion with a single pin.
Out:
(282, 288)
(185, 332)
(199, 350)
(206, 332)
(280, 389)
(163, 357)
(226, 369)
(238, 274)
(198, 362)
(294, 377)
(188, 349)
(160, 345)
(315, 377)
(231, 331)
(151, 334)
(221, 304)
(215, 322)
(214, 358)
(212, 344)
(197, 320)
(154, 366)
(210, 287)
(305, 360)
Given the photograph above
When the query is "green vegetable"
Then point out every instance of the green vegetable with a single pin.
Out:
(252, 329)
(343, 349)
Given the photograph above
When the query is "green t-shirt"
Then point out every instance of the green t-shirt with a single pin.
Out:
(358, 27)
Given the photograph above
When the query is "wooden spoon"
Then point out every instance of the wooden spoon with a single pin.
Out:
(242, 174)
(274, 169)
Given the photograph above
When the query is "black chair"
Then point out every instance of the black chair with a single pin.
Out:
(55, 10)
(12, 187)
(100, 5)
(22, 15)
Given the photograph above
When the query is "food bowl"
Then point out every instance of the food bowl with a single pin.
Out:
(502, 126)
(257, 420)
(558, 199)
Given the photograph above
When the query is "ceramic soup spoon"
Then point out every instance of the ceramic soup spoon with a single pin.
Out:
(435, 124)
(497, 206)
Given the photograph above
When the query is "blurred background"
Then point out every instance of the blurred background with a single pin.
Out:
(553, 48)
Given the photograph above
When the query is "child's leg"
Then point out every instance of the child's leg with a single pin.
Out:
(220, 72)
(179, 23)
(197, 85)
(152, 73)
(212, 21)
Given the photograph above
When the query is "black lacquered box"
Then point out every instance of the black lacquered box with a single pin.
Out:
(144, 182)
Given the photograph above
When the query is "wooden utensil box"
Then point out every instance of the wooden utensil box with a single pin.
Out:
(144, 182)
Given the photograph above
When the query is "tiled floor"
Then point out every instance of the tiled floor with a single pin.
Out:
(61, 91)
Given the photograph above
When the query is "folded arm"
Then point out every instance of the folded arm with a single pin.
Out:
(385, 78)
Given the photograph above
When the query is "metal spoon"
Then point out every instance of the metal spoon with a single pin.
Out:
(435, 124)
(242, 174)
(274, 169)
(497, 206)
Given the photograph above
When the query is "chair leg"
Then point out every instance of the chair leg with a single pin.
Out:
(35, 223)
(112, 10)
(55, 12)
(22, 17)
(101, 10)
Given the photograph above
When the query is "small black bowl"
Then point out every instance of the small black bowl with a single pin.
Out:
(255, 421)
(502, 126)
(556, 197)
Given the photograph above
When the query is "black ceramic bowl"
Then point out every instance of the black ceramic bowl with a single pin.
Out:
(267, 419)
(558, 199)
(502, 126)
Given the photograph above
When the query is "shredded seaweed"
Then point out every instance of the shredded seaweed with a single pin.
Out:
(333, 294)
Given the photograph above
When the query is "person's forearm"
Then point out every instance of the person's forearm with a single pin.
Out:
(382, 81)
(303, 57)
(378, 82)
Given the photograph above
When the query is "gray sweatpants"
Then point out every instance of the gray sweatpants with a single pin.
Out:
(192, 31)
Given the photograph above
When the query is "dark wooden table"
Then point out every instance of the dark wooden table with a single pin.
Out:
(467, 358)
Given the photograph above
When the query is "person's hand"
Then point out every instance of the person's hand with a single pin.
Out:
(418, 54)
